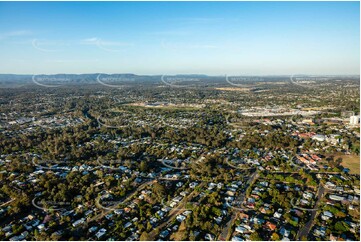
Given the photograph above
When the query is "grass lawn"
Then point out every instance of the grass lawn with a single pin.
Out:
(352, 162)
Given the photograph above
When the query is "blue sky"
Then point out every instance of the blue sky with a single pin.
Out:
(215, 38)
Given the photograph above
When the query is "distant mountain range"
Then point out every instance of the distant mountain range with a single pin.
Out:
(133, 78)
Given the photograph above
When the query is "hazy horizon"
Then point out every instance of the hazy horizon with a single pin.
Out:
(181, 74)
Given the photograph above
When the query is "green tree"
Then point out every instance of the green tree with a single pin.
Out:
(144, 237)
(275, 237)
(340, 226)
(143, 166)
(255, 236)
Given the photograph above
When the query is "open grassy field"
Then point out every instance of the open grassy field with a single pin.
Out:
(352, 162)
(171, 106)
(234, 89)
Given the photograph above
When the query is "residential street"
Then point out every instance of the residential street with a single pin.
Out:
(226, 231)
(304, 231)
